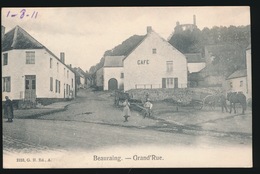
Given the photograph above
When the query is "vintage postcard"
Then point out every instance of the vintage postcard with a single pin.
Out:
(126, 87)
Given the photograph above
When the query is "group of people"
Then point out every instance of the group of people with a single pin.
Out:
(147, 106)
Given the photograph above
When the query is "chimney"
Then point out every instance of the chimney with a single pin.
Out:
(149, 29)
(194, 19)
(62, 57)
(70, 65)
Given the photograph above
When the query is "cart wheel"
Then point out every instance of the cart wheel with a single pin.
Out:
(197, 105)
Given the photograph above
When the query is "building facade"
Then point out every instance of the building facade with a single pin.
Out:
(237, 82)
(30, 71)
(155, 63)
(113, 73)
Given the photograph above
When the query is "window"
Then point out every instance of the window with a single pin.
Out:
(67, 88)
(59, 87)
(67, 73)
(51, 84)
(241, 83)
(154, 51)
(57, 67)
(5, 56)
(231, 85)
(30, 57)
(50, 62)
(33, 84)
(122, 75)
(6, 84)
(64, 71)
(169, 65)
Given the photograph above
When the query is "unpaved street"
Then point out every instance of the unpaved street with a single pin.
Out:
(91, 123)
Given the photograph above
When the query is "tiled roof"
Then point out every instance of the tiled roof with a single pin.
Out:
(17, 38)
(238, 73)
(194, 58)
(113, 61)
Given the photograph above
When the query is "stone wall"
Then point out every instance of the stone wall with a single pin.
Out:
(179, 94)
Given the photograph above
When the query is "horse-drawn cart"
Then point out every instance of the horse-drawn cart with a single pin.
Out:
(121, 96)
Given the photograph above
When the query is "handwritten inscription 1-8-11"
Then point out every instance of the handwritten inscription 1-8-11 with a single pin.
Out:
(22, 14)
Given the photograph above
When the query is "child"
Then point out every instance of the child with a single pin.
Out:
(126, 111)
(148, 107)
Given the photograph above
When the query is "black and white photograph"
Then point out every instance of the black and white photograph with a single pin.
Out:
(126, 87)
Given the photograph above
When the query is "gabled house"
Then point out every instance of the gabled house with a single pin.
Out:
(31, 72)
(152, 63)
(113, 72)
(195, 62)
(237, 82)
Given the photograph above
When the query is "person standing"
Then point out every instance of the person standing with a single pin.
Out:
(126, 110)
(223, 102)
(148, 108)
(8, 109)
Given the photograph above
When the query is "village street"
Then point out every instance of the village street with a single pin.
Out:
(91, 121)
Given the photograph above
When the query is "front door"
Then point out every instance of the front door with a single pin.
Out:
(112, 84)
(175, 82)
(30, 88)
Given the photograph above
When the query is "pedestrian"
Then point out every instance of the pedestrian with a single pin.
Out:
(126, 110)
(8, 109)
(148, 108)
(223, 102)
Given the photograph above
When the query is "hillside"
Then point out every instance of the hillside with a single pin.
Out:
(226, 45)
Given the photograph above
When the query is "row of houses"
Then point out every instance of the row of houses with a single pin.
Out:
(31, 72)
(155, 63)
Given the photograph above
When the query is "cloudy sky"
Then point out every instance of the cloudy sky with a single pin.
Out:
(85, 33)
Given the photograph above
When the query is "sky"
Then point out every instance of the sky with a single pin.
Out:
(85, 33)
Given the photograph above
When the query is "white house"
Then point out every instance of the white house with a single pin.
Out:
(249, 71)
(30, 71)
(195, 62)
(238, 82)
(113, 72)
(155, 63)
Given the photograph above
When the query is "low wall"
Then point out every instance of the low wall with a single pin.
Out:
(48, 101)
(183, 94)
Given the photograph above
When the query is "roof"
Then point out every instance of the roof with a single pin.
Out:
(238, 73)
(18, 38)
(114, 61)
(144, 40)
(194, 58)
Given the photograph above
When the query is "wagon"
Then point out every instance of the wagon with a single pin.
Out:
(121, 96)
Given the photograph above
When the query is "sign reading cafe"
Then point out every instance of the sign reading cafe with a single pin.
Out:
(142, 62)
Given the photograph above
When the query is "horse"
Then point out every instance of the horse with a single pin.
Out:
(233, 98)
